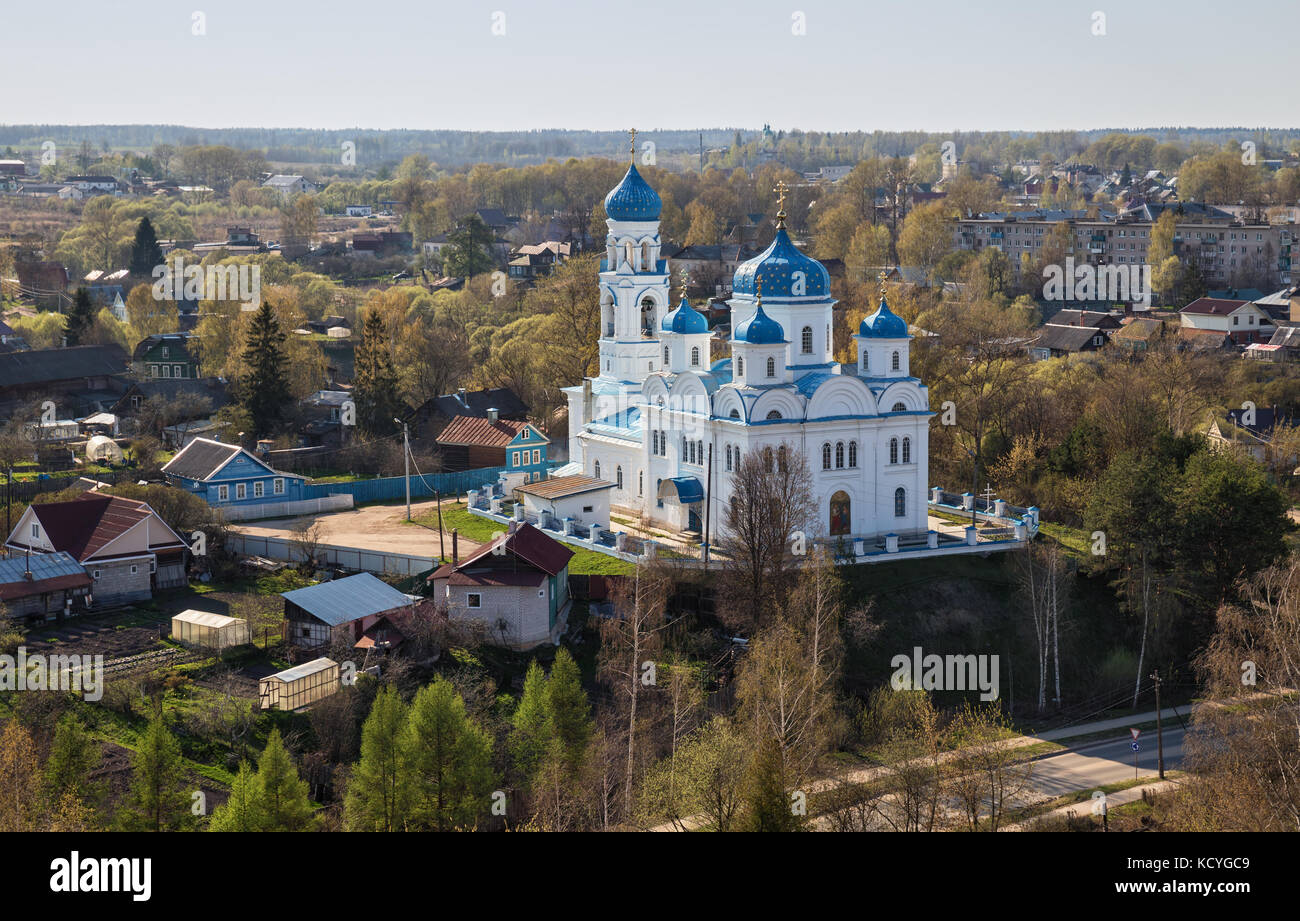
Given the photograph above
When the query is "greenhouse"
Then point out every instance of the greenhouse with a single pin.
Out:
(213, 631)
(299, 686)
(102, 449)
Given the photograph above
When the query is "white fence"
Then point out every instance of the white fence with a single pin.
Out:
(280, 548)
(332, 503)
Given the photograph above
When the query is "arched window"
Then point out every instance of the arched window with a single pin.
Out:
(893, 450)
(658, 501)
(780, 458)
(640, 482)
(853, 453)
(826, 456)
(900, 502)
(771, 366)
(894, 362)
(899, 408)
(805, 341)
(907, 450)
(728, 457)
(866, 361)
(654, 441)
(734, 414)
(695, 356)
(666, 358)
(774, 415)
(767, 458)
(740, 365)
(595, 469)
(648, 317)
(699, 451)
(618, 478)
(839, 454)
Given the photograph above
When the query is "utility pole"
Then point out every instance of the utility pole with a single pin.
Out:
(442, 550)
(708, 503)
(406, 457)
(1160, 739)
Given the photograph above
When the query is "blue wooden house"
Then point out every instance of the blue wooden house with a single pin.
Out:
(226, 475)
(519, 447)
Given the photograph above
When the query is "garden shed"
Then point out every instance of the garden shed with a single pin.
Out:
(299, 686)
(214, 631)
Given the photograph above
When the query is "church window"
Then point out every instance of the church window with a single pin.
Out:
(853, 453)
(780, 458)
(866, 361)
(907, 450)
(658, 499)
(900, 502)
(774, 414)
(740, 365)
(695, 356)
(839, 454)
(771, 367)
(666, 358)
(640, 482)
(895, 362)
(899, 408)
(618, 478)
(826, 456)
(734, 414)
(893, 450)
(805, 343)
(699, 451)
(728, 457)
(596, 469)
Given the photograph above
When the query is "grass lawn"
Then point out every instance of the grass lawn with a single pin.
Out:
(594, 563)
(471, 527)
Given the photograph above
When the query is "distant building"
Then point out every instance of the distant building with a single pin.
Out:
(1242, 321)
(339, 611)
(224, 474)
(167, 355)
(468, 443)
(358, 210)
(1055, 341)
(81, 379)
(43, 586)
(432, 417)
(289, 185)
(538, 259)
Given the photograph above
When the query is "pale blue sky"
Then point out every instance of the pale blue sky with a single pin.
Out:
(581, 64)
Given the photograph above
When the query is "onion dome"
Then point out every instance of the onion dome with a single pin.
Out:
(633, 199)
(685, 319)
(883, 324)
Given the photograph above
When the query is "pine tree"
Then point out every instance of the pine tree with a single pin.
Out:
(242, 812)
(80, 319)
(767, 805)
(145, 251)
(160, 798)
(378, 792)
(73, 755)
(281, 794)
(449, 759)
(570, 712)
(531, 722)
(265, 387)
(374, 378)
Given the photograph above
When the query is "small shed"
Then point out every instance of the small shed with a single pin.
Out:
(214, 631)
(299, 686)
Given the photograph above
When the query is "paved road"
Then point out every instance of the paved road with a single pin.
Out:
(1106, 762)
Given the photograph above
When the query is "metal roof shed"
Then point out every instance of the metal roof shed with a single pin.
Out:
(214, 631)
(344, 600)
(299, 686)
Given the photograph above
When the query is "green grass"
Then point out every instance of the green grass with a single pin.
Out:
(458, 517)
(594, 563)
(1075, 540)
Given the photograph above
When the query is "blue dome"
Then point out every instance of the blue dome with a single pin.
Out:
(633, 199)
(760, 329)
(776, 266)
(883, 324)
(685, 319)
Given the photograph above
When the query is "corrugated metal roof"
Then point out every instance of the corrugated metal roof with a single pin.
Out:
(42, 566)
(302, 671)
(345, 600)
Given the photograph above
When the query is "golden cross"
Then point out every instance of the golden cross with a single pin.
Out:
(780, 190)
(686, 280)
(758, 291)
(631, 147)
(883, 276)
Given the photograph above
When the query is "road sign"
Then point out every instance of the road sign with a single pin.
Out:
(1135, 733)
(1136, 746)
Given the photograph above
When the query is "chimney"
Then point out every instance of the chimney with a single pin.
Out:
(455, 547)
(460, 395)
(586, 400)
(493, 414)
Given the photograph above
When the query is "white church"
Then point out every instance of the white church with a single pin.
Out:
(661, 408)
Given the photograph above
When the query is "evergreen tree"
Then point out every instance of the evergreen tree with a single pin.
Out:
(160, 797)
(449, 759)
(73, 755)
(570, 712)
(265, 387)
(375, 379)
(242, 812)
(379, 791)
(531, 724)
(767, 805)
(145, 251)
(469, 249)
(281, 793)
(80, 319)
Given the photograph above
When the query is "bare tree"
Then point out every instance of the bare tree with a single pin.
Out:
(307, 535)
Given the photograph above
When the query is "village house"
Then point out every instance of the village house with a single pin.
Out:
(43, 586)
(468, 443)
(80, 380)
(340, 610)
(584, 499)
(129, 551)
(517, 586)
(228, 475)
(166, 355)
(1242, 321)
(1056, 341)
(1252, 433)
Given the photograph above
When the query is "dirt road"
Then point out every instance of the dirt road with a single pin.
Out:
(375, 527)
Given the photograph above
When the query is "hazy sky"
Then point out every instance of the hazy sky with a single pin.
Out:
(862, 64)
